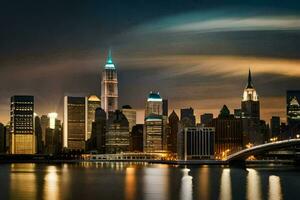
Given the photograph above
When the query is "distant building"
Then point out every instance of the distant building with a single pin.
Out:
(2, 139)
(117, 136)
(109, 87)
(174, 124)
(275, 126)
(165, 107)
(74, 123)
(93, 102)
(130, 114)
(238, 113)
(136, 138)
(97, 139)
(45, 123)
(22, 140)
(206, 118)
(187, 117)
(293, 108)
(228, 133)
(154, 136)
(197, 143)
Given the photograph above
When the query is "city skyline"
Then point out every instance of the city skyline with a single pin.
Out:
(198, 47)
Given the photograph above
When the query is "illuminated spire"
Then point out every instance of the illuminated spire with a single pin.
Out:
(109, 62)
(249, 85)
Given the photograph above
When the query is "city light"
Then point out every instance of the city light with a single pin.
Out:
(52, 117)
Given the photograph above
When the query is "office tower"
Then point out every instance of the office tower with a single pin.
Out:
(7, 136)
(109, 87)
(136, 138)
(93, 103)
(275, 126)
(153, 126)
(97, 140)
(238, 113)
(130, 114)
(293, 108)
(228, 133)
(165, 107)
(206, 118)
(174, 128)
(53, 140)
(187, 117)
(250, 102)
(38, 135)
(197, 143)
(2, 139)
(117, 136)
(45, 122)
(74, 123)
(52, 119)
(22, 139)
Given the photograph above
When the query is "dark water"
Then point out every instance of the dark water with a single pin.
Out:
(146, 181)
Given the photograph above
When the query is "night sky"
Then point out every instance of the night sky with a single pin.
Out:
(195, 53)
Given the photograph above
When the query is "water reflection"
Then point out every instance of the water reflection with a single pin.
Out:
(204, 189)
(156, 182)
(23, 181)
(51, 188)
(130, 183)
(253, 185)
(274, 188)
(225, 187)
(186, 192)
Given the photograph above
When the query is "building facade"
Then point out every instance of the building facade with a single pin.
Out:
(206, 118)
(22, 138)
(130, 114)
(293, 107)
(93, 102)
(74, 123)
(197, 143)
(174, 124)
(109, 87)
(136, 138)
(187, 117)
(117, 135)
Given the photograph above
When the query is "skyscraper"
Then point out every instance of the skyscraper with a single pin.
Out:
(250, 101)
(293, 107)
(117, 135)
(174, 128)
(74, 122)
(38, 135)
(165, 107)
(93, 102)
(22, 140)
(45, 122)
(109, 87)
(2, 138)
(154, 130)
(206, 118)
(136, 138)
(187, 117)
(275, 126)
(228, 133)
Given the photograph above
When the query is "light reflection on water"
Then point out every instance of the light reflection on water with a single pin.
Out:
(144, 181)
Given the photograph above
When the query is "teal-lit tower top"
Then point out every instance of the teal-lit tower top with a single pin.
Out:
(109, 62)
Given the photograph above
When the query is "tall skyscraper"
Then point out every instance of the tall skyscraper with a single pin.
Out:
(136, 138)
(2, 138)
(250, 101)
(154, 130)
(109, 87)
(130, 114)
(206, 118)
(93, 102)
(117, 135)
(228, 133)
(74, 122)
(187, 117)
(173, 132)
(38, 135)
(22, 140)
(45, 123)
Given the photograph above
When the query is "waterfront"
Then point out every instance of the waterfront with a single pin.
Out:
(146, 181)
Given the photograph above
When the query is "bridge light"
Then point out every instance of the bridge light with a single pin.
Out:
(298, 136)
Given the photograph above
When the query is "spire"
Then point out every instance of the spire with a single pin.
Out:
(249, 85)
(109, 57)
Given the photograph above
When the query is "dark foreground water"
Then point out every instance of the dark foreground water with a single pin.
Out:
(85, 181)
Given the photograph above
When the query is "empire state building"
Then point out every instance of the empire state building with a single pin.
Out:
(109, 86)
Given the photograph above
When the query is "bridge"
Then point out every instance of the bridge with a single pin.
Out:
(259, 149)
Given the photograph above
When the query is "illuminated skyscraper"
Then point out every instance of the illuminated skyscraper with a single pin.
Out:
(22, 140)
(93, 103)
(154, 130)
(250, 101)
(293, 107)
(52, 120)
(109, 87)
(74, 122)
